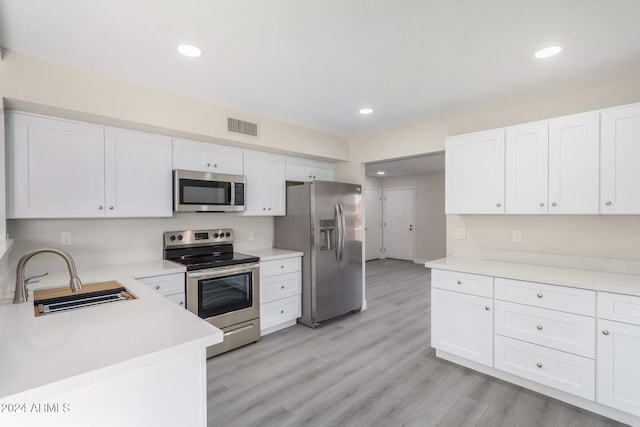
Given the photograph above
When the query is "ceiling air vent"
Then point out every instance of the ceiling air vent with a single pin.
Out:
(240, 126)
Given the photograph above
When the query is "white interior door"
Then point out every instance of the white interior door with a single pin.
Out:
(399, 223)
(373, 223)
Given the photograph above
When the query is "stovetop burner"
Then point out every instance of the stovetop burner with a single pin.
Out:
(200, 249)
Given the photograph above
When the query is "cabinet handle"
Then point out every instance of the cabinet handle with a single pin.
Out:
(608, 203)
(181, 303)
(554, 204)
(269, 208)
(539, 327)
(459, 282)
(208, 164)
(282, 287)
(264, 209)
(281, 311)
(539, 365)
(282, 266)
(157, 286)
(215, 165)
(605, 332)
(539, 295)
(541, 204)
(486, 307)
(100, 208)
(110, 208)
(499, 205)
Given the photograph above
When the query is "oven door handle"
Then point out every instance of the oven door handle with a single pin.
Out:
(223, 271)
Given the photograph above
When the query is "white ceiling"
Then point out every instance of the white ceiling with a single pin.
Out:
(316, 62)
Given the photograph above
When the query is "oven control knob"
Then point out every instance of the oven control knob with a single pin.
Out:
(216, 235)
(179, 236)
(172, 238)
(228, 234)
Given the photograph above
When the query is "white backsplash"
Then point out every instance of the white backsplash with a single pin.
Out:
(98, 242)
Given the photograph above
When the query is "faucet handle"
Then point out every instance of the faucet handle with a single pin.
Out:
(37, 276)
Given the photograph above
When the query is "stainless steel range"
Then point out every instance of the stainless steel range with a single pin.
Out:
(222, 285)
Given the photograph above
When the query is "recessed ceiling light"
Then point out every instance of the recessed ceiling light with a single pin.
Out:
(366, 110)
(380, 172)
(548, 51)
(189, 50)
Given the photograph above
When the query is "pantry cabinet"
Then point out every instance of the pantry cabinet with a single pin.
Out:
(266, 184)
(304, 170)
(620, 158)
(527, 168)
(574, 164)
(65, 169)
(205, 157)
(474, 172)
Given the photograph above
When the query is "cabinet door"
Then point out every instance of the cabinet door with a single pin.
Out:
(574, 164)
(205, 157)
(304, 170)
(462, 324)
(324, 172)
(620, 157)
(475, 173)
(527, 168)
(138, 174)
(55, 168)
(617, 370)
(265, 192)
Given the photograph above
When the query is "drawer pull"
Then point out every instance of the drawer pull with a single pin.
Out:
(281, 311)
(486, 307)
(539, 327)
(539, 365)
(282, 266)
(459, 282)
(181, 302)
(605, 332)
(539, 295)
(282, 287)
(157, 286)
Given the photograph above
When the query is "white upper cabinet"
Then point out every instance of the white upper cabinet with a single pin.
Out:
(266, 183)
(309, 170)
(620, 160)
(205, 157)
(574, 164)
(475, 173)
(527, 168)
(137, 174)
(65, 169)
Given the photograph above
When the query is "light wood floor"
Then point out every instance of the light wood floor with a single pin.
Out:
(374, 368)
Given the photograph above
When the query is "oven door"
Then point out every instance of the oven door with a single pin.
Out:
(225, 296)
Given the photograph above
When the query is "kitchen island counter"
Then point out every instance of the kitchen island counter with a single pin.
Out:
(144, 357)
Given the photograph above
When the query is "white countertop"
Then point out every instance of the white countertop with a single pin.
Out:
(585, 279)
(40, 351)
(270, 254)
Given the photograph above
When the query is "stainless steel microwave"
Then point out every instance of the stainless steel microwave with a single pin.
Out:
(207, 192)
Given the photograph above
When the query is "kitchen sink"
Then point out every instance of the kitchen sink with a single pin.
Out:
(57, 300)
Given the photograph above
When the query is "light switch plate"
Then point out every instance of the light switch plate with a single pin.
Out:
(517, 236)
(65, 238)
(459, 233)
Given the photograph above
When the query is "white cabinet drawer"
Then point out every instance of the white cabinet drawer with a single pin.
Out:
(178, 299)
(472, 284)
(281, 311)
(572, 300)
(278, 287)
(168, 284)
(555, 329)
(623, 308)
(279, 266)
(563, 371)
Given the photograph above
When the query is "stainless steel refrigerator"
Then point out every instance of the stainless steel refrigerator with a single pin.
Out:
(324, 221)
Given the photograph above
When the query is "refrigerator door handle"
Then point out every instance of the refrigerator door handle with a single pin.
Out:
(336, 222)
(342, 228)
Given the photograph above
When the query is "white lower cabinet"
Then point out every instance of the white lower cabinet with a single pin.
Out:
(618, 379)
(462, 323)
(169, 285)
(280, 293)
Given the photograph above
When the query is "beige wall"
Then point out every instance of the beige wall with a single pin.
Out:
(45, 87)
(591, 235)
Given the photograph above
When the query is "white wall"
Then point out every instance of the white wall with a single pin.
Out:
(430, 220)
(120, 241)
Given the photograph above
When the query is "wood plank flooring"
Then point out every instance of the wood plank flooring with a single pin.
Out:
(373, 368)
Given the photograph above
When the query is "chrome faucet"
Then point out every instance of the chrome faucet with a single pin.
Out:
(21, 294)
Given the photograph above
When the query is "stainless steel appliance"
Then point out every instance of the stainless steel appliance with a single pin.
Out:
(222, 286)
(324, 221)
(207, 192)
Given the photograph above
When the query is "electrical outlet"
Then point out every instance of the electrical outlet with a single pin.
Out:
(65, 238)
(459, 233)
(252, 235)
(517, 236)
